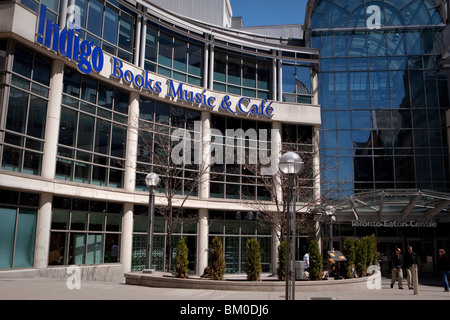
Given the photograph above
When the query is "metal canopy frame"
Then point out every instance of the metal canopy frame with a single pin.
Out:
(382, 204)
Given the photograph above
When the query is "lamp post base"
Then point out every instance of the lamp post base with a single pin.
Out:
(151, 271)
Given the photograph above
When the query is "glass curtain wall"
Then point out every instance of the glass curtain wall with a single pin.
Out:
(18, 216)
(233, 177)
(93, 131)
(157, 121)
(107, 24)
(383, 95)
(173, 55)
(26, 111)
(242, 74)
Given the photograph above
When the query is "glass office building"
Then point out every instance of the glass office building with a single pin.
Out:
(383, 91)
(383, 94)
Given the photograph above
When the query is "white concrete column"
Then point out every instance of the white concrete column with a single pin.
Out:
(277, 147)
(43, 224)
(280, 80)
(205, 155)
(53, 121)
(132, 142)
(203, 193)
(316, 163)
(126, 246)
(202, 240)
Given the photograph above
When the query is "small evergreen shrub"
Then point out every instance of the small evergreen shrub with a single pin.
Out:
(315, 261)
(181, 260)
(282, 261)
(216, 259)
(349, 253)
(253, 260)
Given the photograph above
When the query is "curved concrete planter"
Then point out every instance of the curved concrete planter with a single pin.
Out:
(166, 281)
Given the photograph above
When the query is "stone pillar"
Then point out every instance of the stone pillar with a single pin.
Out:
(132, 141)
(203, 192)
(43, 223)
(126, 245)
(53, 121)
(202, 240)
(277, 146)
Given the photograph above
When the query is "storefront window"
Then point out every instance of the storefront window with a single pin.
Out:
(85, 232)
(184, 225)
(235, 229)
(18, 214)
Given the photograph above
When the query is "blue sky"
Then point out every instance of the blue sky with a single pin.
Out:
(269, 12)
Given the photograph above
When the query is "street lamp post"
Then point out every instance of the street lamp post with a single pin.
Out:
(151, 180)
(330, 211)
(291, 165)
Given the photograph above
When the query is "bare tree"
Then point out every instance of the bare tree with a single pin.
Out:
(174, 153)
(308, 195)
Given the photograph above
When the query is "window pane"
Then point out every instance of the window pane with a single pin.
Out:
(180, 55)
(220, 64)
(126, 32)
(36, 117)
(60, 220)
(94, 249)
(41, 71)
(17, 111)
(234, 70)
(151, 44)
(112, 249)
(195, 60)
(165, 50)
(26, 230)
(77, 247)
(7, 228)
(102, 136)
(78, 221)
(85, 132)
(95, 17)
(23, 61)
(111, 25)
(114, 223)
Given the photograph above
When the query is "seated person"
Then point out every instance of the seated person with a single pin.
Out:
(332, 271)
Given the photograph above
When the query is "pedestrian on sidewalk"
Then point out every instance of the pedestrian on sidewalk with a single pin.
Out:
(409, 259)
(443, 265)
(396, 264)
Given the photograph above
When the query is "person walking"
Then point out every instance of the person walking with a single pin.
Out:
(409, 259)
(443, 265)
(396, 265)
(306, 261)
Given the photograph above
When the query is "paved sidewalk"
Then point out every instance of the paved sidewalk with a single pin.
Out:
(50, 289)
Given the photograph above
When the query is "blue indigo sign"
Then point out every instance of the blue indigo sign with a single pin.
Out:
(67, 43)
(88, 57)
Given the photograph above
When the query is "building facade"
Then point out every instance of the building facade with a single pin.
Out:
(96, 94)
(92, 92)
